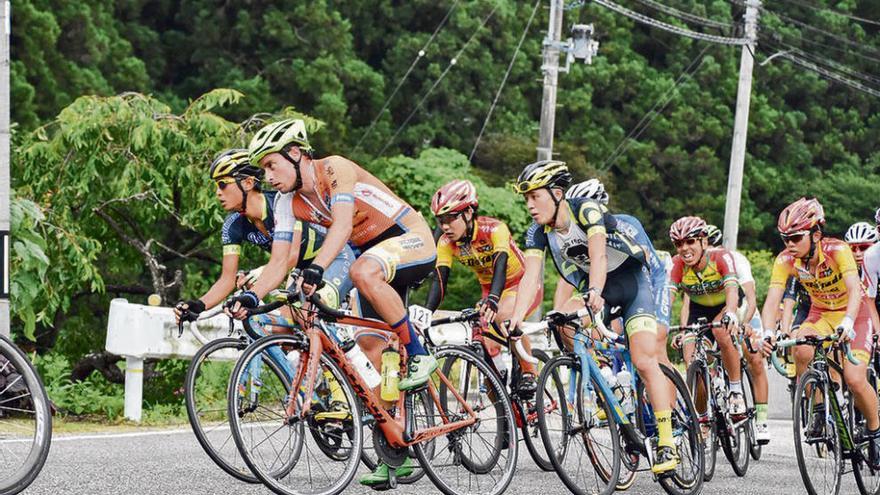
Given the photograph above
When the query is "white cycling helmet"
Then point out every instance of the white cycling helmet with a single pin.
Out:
(877, 216)
(861, 233)
(590, 189)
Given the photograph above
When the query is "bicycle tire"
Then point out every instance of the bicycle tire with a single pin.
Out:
(698, 371)
(17, 363)
(867, 479)
(530, 429)
(749, 396)
(810, 384)
(303, 454)
(686, 429)
(235, 467)
(570, 419)
(736, 445)
(429, 452)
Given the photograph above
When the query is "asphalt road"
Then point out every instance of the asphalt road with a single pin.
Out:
(171, 462)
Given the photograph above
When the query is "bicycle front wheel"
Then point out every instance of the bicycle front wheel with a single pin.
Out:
(816, 439)
(25, 420)
(582, 439)
(528, 408)
(205, 392)
(867, 478)
(698, 384)
(480, 458)
(317, 454)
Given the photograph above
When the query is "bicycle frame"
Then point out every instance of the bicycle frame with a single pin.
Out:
(399, 430)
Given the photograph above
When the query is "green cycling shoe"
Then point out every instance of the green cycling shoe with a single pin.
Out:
(419, 370)
(379, 479)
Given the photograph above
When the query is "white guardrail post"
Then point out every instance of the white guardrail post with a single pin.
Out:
(139, 332)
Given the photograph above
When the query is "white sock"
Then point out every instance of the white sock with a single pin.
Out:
(736, 386)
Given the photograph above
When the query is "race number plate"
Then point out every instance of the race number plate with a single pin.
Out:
(420, 317)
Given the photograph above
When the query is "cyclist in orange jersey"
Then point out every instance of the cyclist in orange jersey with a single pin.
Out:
(393, 242)
(484, 245)
(826, 268)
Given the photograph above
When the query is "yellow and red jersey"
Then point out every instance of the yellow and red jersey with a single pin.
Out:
(705, 287)
(490, 236)
(826, 287)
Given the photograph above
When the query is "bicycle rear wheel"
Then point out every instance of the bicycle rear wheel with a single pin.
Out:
(749, 396)
(688, 476)
(819, 453)
(25, 420)
(698, 376)
(481, 458)
(313, 455)
(584, 449)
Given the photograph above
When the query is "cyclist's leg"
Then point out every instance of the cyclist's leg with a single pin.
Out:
(382, 275)
(856, 375)
(757, 365)
(729, 353)
(663, 310)
(812, 325)
(337, 282)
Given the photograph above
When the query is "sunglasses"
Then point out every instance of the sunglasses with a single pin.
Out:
(685, 242)
(222, 183)
(449, 217)
(794, 238)
(859, 247)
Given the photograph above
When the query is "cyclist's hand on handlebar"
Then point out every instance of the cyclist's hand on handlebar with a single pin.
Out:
(489, 308)
(767, 345)
(312, 278)
(237, 306)
(188, 310)
(731, 321)
(677, 340)
(593, 298)
(846, 329)
(511, 326)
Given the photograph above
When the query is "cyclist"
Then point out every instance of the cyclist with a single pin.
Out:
(485, 245)
(828, 271)
(252, 219)
(604, 265)
(708, 277)
(753, 329)
(563, 301)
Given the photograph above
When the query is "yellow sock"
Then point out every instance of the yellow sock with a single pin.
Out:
(664, 428)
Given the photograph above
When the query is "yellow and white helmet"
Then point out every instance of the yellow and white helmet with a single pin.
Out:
(544, 173)
(275, 137)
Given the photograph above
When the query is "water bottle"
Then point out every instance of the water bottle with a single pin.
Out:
(363, 365)
(293, 361)
(498, 359)
(390, 374)
(624, 380)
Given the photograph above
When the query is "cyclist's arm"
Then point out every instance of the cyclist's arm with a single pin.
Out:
(225, 284)
(276, 269)
(438, 288)
(751, 300)
(499, 275)
(771, 306)
(564, 291)
(293, 253)
(342, 179)
(787, 315)
(598, 261)
(854, 289)
(685, 314)
(528, 286)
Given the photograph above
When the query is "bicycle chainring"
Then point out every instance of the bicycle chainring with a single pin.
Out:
(394, 457)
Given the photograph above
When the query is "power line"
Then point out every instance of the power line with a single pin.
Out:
(804, 25)
(832, 64)
(638, 17)
(419, 55)
(686, 16)
(652, 114)
(833, 76)
(835, 12)
(504, 79)
(452, 62)
(825, 46)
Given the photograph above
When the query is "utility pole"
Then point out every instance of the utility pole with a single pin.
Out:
(550, 68)
(740, 127)
(5, 32)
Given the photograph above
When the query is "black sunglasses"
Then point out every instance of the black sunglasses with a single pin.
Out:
(793, 238)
